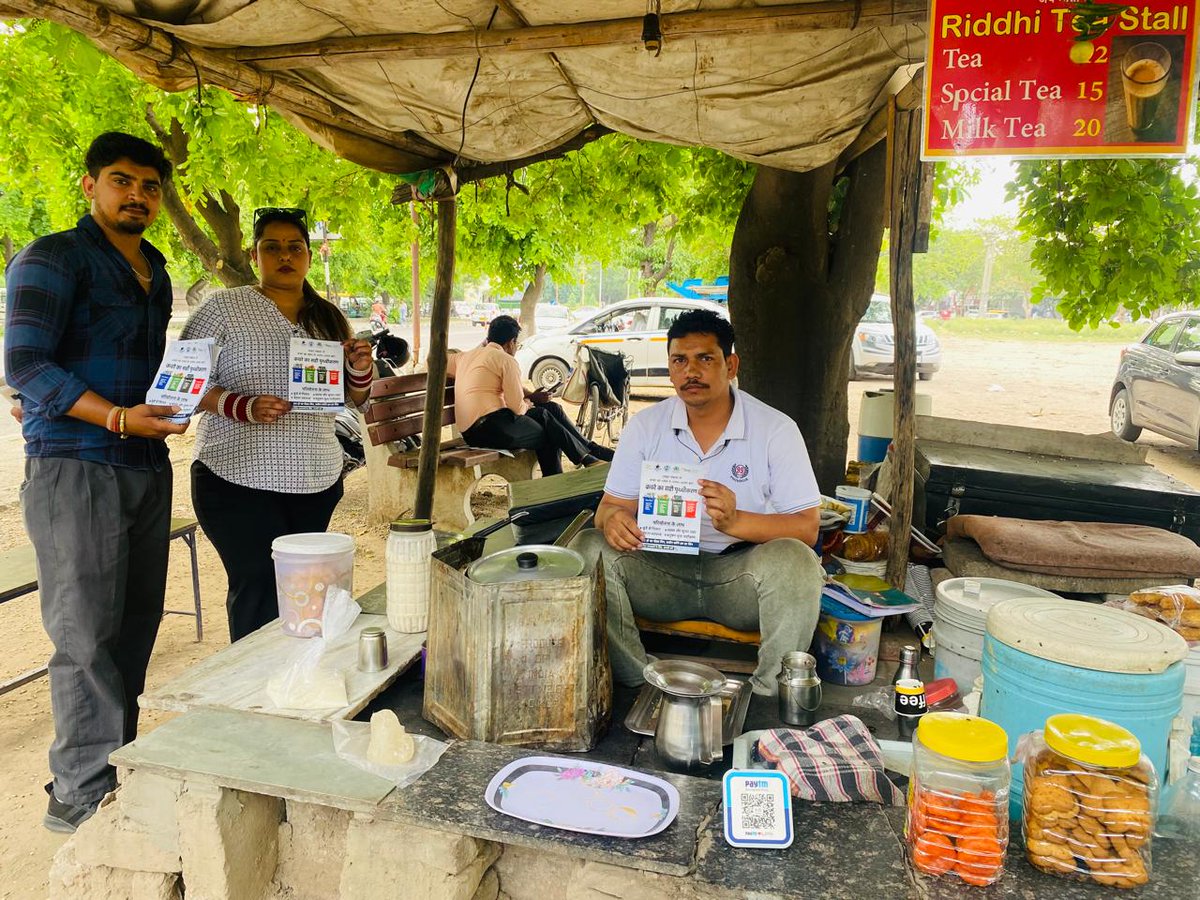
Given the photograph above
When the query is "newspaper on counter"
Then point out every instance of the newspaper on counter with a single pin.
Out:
(315, 382)
(669, 507)
(184, 376)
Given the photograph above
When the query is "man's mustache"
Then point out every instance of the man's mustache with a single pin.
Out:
(136, 206)
(688, 384)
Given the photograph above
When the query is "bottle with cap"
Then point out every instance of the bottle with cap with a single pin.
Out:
(910, 705)
(910, 658)
(410, 544)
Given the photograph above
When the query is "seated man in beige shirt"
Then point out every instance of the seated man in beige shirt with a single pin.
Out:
(493, 409)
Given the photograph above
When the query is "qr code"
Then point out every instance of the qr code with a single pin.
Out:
(760, 813)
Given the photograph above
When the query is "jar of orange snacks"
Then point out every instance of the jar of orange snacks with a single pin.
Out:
(957, 822)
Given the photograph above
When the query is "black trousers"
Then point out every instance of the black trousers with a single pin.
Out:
(242, 522)
(545, 429)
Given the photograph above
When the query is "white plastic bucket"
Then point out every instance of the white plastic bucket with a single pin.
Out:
(960, 622)
(306, 566)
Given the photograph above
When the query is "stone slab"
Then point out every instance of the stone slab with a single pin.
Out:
(255, 753)
(451, 797)
(842, 851)
(236, 677)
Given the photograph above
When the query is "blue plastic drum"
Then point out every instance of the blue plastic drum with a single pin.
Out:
(1024, 685)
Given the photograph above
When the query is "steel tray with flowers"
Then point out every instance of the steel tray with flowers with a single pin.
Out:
(585, 796)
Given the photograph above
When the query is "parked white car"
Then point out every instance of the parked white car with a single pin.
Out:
(552, 317)
(873, 350)
(636, 328)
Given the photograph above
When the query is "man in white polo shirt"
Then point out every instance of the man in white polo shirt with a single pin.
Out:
(756, 569)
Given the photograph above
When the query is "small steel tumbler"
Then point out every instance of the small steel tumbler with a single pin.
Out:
(372, 650)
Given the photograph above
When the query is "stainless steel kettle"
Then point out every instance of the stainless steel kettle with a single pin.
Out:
(688, 734)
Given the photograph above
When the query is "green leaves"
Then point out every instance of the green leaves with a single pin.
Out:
(1111, 234)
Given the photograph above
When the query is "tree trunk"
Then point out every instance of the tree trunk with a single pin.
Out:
(225, 258)
(800, 278)
(199, 289)
(529, 301)
(9, 251)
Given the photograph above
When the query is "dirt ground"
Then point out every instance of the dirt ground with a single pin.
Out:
(1043, 385)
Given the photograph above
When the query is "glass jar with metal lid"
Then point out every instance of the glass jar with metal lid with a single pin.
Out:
(957, 822)
(1089, 801)
(409, 546)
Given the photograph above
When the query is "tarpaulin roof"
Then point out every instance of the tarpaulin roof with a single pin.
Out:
(390, 83)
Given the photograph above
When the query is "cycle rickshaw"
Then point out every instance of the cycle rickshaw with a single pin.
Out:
(599, 383)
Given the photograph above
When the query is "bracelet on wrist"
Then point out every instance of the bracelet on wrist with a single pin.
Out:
(121, 423)
(236, 406)
(110, 422)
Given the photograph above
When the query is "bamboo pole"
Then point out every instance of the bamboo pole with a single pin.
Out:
(435, 360)
(415, 254)
(905, 202)
(171, 59)
(475, 42)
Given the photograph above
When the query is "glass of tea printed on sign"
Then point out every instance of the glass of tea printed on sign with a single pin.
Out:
(1144, 71)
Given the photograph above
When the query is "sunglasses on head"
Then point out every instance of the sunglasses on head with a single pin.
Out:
(291, 213)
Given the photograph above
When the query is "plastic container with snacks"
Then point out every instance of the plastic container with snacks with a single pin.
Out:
(1090, 795)
(307, 566)
(957, 822)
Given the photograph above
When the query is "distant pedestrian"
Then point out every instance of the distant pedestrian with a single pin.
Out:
(85, 332)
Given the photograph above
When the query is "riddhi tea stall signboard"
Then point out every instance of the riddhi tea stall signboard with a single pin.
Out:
(1060, 78)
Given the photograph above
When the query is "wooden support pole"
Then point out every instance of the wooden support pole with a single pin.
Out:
(905, 213)
(415, 254)
(476, 42)
(435, 359)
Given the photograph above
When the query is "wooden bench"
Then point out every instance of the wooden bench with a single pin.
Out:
(396, 411)
(18, 577)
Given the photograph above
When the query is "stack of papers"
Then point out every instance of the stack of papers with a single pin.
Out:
(866, 595)
(184, 376)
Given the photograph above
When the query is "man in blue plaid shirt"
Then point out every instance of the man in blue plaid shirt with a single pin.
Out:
(85, 333)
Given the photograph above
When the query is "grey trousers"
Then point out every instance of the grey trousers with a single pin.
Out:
(100, 533)
(773, 588)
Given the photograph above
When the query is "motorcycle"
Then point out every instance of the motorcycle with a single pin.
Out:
(390, 354)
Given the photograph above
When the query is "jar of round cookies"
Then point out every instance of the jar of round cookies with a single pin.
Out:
(957, 822)
(1089, 802)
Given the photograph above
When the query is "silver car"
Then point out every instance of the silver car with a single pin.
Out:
(874, 348)
(1158, 382)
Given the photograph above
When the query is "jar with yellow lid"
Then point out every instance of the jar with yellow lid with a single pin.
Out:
(957, 823)
(1089, 802)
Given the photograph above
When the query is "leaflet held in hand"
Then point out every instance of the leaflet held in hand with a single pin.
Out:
(669, 507)
(315, 381)
(184, 376)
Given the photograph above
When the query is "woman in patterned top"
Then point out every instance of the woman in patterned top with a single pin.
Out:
(262, 470)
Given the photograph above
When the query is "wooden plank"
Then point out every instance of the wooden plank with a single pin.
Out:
(399, 384)
(398, 429)
(18, 567)
(24, 678)
(387, 408)
(236, 677)
(474, 43)
(18, 572)
(255, 753)
(472, 456)
(905, 199)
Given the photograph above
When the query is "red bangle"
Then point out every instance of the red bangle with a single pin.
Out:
(236, 406)
(360, 381)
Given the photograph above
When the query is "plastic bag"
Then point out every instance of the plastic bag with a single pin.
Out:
(1086, 822)
(1176, 605)
(881, 700)
(306, 683)
(351, 740)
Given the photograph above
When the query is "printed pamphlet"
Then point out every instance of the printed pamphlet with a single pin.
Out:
(315, 382)
(184, 376)
(669, 507)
